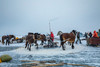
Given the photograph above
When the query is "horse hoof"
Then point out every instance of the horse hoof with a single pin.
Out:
(63, 49)
(29, 49)
(72, 47)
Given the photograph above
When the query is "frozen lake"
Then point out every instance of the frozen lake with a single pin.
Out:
(82, 54)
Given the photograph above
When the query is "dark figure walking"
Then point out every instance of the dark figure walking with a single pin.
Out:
(90, 34)
(78, 38)
(7, 40)
(86, 35)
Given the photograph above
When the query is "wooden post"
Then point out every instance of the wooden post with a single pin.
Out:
(49, 27)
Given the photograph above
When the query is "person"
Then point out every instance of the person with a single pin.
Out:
(50, 40)
(78, 38)
(86, 35)
(7, 40)
(90, 34)
(95, 34)
(52, 36)
(99, 33)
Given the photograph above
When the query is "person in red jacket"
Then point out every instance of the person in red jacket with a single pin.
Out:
(95, 34)
(52, 36)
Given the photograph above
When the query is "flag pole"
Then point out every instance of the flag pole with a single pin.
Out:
(49, 27)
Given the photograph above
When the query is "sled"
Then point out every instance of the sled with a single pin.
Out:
(54, 45)
(93, 41)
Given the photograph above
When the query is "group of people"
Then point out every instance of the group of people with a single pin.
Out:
(88, 35)
(95, 34)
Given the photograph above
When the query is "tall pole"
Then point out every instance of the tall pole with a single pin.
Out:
(50, 24)
(49, 27)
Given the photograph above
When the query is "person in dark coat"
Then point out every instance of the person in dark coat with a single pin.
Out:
(78, 38)
(90, 34)
(86, 35)
(7, 40)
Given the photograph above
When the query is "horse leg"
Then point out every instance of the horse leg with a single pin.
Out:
(80, 41)
(76, 41)
(42, 42)
(72, 45)
(36, 44)
(62, 44)
(2, 41)
(29, 47)
(6, 42)
(26, 44)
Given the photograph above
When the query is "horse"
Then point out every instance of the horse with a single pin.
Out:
(70, 37)
(42, 38)
(4, 38)
(11, 36)
(30, 39)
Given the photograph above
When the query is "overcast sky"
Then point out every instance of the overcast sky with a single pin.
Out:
(22, 16)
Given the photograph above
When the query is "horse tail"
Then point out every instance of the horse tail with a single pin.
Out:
(61, 38)
(2, 40)
(44, 38)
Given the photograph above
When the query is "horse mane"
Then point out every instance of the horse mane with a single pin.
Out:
(74, 32)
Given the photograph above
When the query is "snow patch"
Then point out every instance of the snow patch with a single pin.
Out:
(49, 51)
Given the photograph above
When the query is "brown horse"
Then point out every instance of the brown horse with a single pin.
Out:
(30, 39)
(11, 36)
(4, 38)
(42, 37)
(70, 37)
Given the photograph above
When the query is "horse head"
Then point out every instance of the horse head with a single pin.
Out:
(37, 35)
(59, 33)
(74, 31)
(12, 36)
(44, 37)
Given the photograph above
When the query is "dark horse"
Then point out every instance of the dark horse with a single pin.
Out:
(70, 37)
(42, 38)
(4, 38)
(32, 38)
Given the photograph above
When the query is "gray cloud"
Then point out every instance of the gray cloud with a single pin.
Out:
(22, 16)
